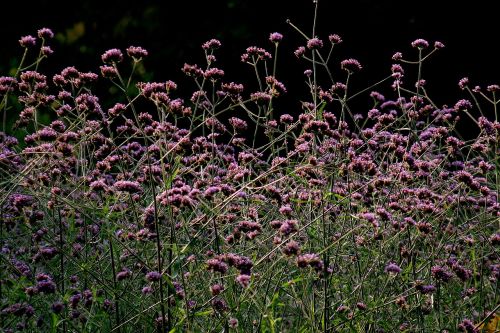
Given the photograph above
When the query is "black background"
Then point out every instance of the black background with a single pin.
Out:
(173, 31)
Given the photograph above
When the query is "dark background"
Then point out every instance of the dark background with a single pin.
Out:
(172, 31)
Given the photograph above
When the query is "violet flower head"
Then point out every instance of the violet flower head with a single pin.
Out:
(211, 44)
(137, 52)
(441, 273)
(46, 51)
(438, 45)
(351, 65)
(243, 280)
(128, 186)
(463, 83)
(463, 104)
(153, 276)
(275, 37)
(335, 39)
(397, 56)
(467, 326)
(300, 51)
(112, 56)
(45, 33)
(392, 268)
(420, 43)
(27, 41)
(233, 322)
(314, 43)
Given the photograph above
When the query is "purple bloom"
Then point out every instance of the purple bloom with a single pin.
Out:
(467, 326)
(335, 39)
(397, 56)
(112, 56)
(275, 37)
(217, 265)
(438, 45)
(463, 83)
(46, 50)
(216, 289)
(314, 43)
(27, 41)
(463, 104)
(392, 268)
(351, 65)
(233, 322)
(211, 44)
(493, 87)
(426, 289)
(420, 43)
(213, 74)
(153, 276)
(137, 52)
(441, 273)
(128, 186)
(45, 33)
(243, 280)
(300, 51)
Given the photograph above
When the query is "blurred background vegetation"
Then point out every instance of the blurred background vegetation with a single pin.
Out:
(172, 31)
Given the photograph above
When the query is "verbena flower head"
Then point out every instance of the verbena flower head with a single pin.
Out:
(275, 37)
(314, 43)
(212, 44)
(438, 45)
(45, 33)
(300, 51)
(27, 41)
(392, 268)
(420, 43)
(112, 56)
(136, 52)
(351, 65)
(335, 39)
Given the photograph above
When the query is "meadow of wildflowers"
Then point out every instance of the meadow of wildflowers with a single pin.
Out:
(216, 211)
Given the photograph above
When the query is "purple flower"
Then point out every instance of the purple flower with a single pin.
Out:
(467, 326)
(213, 74)
(260, 97)
(351, 65)
(493, 88)
(243, 280)
(300, 51)
(112, 56)
(463, 104)
(136, 52)
(45, 33)
(441, 273)
(426, 289)
(216, 289)
(153, 276)
(46, 50)
(335, 39)
(217, 265)
(211, 44)
(397, 56)
(254, 54)
(291, 248)
(128, 186)
(314, 43)
(463, 83)
(233, 322)
(275, 37)
(438, 45)
(27, 41)
(420, 43)
(57, 307)
(392, 268)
